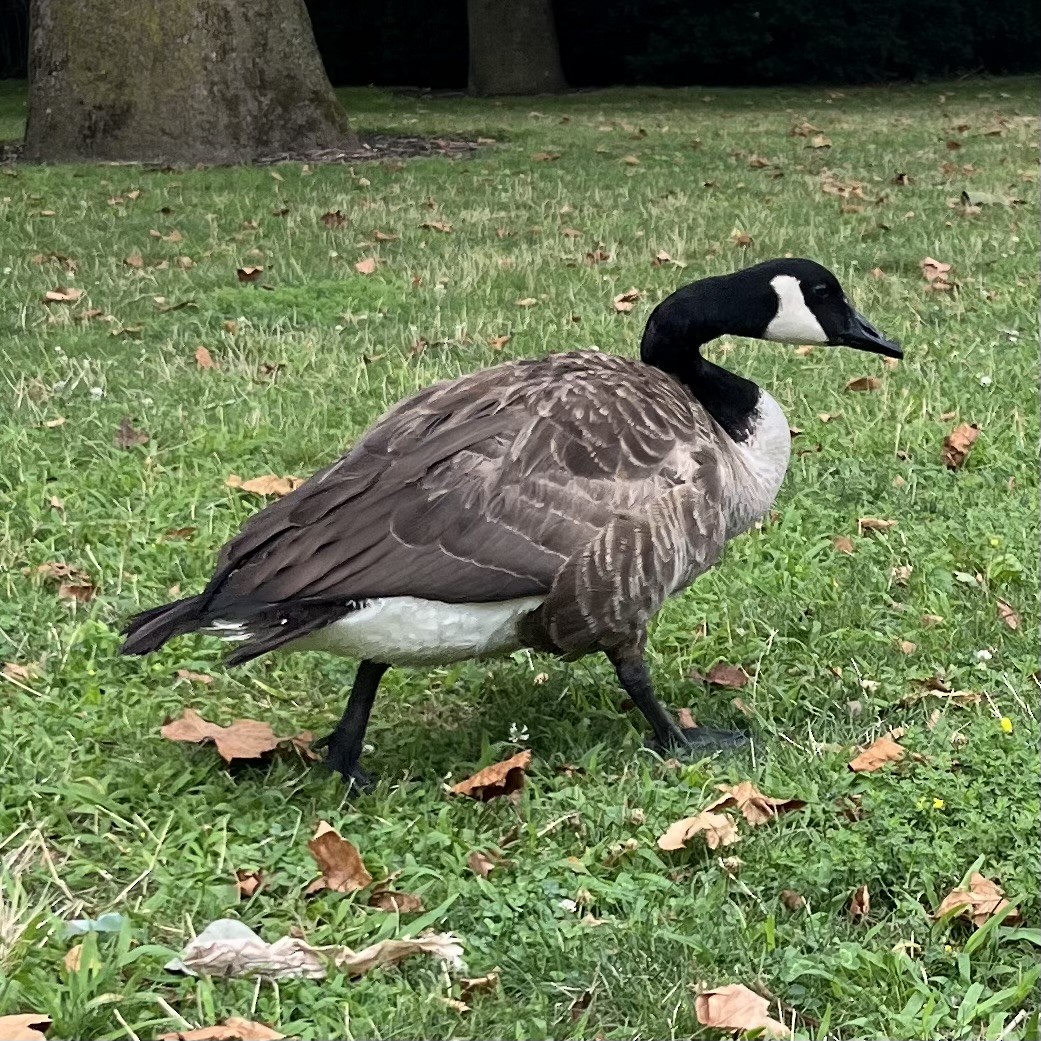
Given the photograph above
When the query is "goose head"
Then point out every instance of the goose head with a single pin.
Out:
(788, 300)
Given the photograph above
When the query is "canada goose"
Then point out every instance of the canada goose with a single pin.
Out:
(553, 504)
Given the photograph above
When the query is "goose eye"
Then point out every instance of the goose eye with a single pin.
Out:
(820, 290)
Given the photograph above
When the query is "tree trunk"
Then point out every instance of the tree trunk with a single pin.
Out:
(513, 47)
(187, 81)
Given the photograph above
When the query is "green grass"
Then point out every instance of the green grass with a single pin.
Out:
(100, 814)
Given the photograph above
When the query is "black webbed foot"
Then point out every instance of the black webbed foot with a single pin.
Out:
(700, 742)
(343, 758)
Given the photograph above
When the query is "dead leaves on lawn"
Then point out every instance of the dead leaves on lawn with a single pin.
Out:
(499, 779)
(73, 582)
(26, 1027)
(234, 1028)
(242, 739)
(957, 445)
(268, 486)
(755, 807)
(979, 902)
(881, 751)
(339, 862)
(716, 829)
(735, 1007)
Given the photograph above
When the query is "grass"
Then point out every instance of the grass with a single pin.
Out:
(100, 814)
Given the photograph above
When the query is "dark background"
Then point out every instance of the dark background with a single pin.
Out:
(668, 42)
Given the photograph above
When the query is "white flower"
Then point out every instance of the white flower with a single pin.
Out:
(518, 734)
(96, 393)
(984, 655)
(985, 381)
(567, 904)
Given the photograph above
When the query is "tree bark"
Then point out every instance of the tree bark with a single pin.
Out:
(513, 47)
(186, 81)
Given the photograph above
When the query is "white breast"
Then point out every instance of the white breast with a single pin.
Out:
(405, 630)
(757, 466)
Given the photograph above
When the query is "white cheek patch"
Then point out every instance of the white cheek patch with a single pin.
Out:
(794, 321)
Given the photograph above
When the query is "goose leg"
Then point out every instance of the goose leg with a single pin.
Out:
(345, 743)
(669, 737)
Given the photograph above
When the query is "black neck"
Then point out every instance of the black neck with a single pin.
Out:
(674, 346)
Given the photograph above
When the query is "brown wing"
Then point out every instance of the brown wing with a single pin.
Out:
(474, 490)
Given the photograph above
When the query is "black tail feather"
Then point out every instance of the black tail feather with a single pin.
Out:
(149, 630)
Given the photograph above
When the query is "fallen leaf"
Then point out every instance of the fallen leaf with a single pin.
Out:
(933, 269)
(1008, 615)
(843, 544)
(803, 130)
(981, 901)
(184, 263)
(454, 1004)
(230, 948)
(180, 533)
(755, 807)
(333, 219)
(29, 1027)
(134, 260)
(757, 162)
(62, 295)
(366, 266)
(58, 421)
(877, 272)
(194, 677)
(545, 157)
(721, 674)
(20, 673)
(399, 903)
(527, 301)
(741, 238)
(267, 485)
(437, 225)
(480, 863)
(901, 574)
(743, 707)
(248, 882)
(820, 141)
(863, 383)
(624, 302)
(498, 342)
(860, 903)
(385, 236)
(877, 754)
(717, 829)
(685, 719)
(243, 739)
(339, 862)
(235, 1028)
(792, 900)
(907, 647)
(874, 524)
(597, 256)
(958, 443)
(803, 350)
(827, 417)
(479, 983)
(503, 778)
(735, 1007)
(204, 359)
(249, 274)
(81, 591)
(127, 437)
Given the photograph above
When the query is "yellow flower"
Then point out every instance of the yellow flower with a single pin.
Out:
(938, 804)
(1006, 725)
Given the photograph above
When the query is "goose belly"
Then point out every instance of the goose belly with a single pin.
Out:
(406, 630)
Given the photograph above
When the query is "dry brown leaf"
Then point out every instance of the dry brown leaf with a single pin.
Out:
(203, 358)
(478, 983)
(980, 902)
(792, 900)
(81, 591)
(907, 647)
(20, 673)
(803, 130)
(366, 266)
(385, 236)
(58, 421)
(498, 342)
(503, 778)
(399, 903)
(180, 533)
(1007, 615)
(732, 677)
(62, 295)
(545, 157)
(527, 301)
(184, 263)
(134, 260)
(874, 524)
(29, 1027)
(267, 485)
(933, 269)
(631, 160)
(958, 443)
(755, 807)
(234, 1029)
(743, 707)
(862, 384)
(820, 141)
(127, 437)
(597, 256)
(877, 754)
(735, 1007)
(860, 903)
(624, 302)
(249, 274)
(717, 829)
(741, 238)
(877, 272)
(194, 677)
(481, 863)
(333, 219)
(437, 225)
(803, 350)
(243, 739)
(248, 882)
(685, 719)
(843, 544)
(339, 862)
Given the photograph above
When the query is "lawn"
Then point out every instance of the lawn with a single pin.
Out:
(593, 930)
